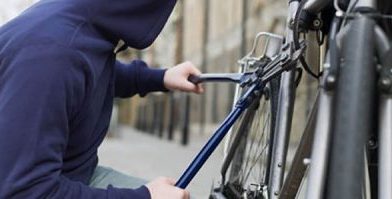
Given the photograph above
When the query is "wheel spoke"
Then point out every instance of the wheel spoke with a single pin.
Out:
(259, 154)
(250, 160)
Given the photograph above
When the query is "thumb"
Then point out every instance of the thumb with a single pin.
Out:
(189, 86)
(170, 181)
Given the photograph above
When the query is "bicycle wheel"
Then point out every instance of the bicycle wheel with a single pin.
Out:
(249, 154)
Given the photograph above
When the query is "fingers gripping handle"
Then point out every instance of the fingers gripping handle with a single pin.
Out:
(195, 79)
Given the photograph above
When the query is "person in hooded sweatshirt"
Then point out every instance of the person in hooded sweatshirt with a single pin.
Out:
(58, 78)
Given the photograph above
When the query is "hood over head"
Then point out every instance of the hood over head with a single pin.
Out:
(136, 22)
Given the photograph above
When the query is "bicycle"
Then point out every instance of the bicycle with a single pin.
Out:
(346, 148)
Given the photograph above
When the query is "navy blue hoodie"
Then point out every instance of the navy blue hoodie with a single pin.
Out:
(58, 78)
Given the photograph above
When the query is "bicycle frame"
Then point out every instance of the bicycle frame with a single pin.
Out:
(317, 173)
(317, 135)
(283, 118)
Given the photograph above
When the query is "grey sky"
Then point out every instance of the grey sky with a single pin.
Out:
(11, 8)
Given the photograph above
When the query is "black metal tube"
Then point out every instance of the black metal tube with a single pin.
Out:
(172, 116)
(354, 111)
(333, 47)
(382, 41)
(185, 130)
(315, 6)
(161, 116)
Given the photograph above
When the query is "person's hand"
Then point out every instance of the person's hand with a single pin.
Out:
(163, 188)
(176, 78)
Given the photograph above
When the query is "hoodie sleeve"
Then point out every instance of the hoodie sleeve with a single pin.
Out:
(40, 89)
(137, 78)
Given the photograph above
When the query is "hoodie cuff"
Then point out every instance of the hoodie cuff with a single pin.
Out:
(137, 78)
(152, 81)
(139, 193)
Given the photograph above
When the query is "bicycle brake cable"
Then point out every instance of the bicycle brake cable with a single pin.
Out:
(297, 43)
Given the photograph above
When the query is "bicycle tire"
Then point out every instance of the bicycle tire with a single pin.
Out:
(354, 113)
(256, 124)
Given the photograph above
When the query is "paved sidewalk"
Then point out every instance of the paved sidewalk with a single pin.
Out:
(146, 156)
